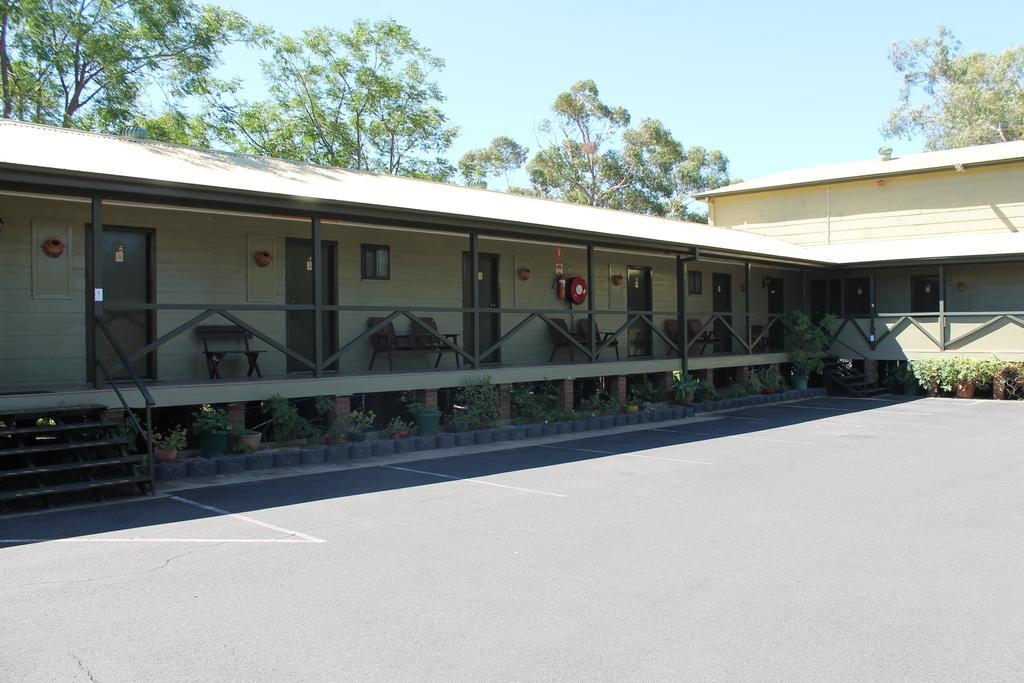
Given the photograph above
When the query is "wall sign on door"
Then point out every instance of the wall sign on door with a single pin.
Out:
(119, 254)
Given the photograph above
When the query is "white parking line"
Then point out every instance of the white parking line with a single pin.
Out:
(242, 518)
(658, 457)
(581, 450)
(735, 436)
(473, 481)
(137, 539)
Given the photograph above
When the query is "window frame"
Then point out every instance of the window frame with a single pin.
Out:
(691, 280)
(375, 249)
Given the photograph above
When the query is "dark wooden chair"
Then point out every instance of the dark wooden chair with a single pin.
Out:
(425, 341)
(214, 357)
(696, 336)
(386, 340)
(584, 327)
(559, 341)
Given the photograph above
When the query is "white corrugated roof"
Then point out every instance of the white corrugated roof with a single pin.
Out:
(953, 246)
(872, 168)
(61, 149)
(48, 148)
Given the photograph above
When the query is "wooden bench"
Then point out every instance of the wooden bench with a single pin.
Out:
(217, 333)
(387, 341)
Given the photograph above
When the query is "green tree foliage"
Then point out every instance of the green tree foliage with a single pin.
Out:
(955, 99)
(86, 63)
(499, 159)
(594, 157)
(360, 99)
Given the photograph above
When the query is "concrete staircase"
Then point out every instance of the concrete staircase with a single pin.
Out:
(842, 377)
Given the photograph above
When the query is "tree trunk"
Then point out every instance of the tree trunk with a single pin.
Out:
(5, 66)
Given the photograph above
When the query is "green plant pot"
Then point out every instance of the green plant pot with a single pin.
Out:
(799, 383)
(213, 443)
(427, 422)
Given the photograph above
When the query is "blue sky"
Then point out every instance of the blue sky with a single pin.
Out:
(774, 85)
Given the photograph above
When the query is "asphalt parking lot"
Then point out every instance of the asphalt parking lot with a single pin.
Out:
(824, 539)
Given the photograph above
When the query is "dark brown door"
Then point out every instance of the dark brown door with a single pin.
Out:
(721, 302)
(299, 290)
(924, 293)
(819, 300)
(127, 264)
(857, 292)
(639, 298)
(776, 306)
(490, 297)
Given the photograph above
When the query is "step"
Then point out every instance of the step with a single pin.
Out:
(60, 410)
(76, 486)
(64, 446)
(71, 466)
(46, 429)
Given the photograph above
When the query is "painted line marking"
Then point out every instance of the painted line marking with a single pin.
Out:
(473, 481)
(242, 518)
(581, 450)
(137, 539)
(736, 436)
(657, 457)
(864, 398)
(849, 412)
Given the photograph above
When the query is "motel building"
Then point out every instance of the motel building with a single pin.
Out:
(150, 278)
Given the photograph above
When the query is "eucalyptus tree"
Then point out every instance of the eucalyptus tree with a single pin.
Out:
(953, 98)
(593, 156)
(88, 63)
(361, 99)
(499, 159)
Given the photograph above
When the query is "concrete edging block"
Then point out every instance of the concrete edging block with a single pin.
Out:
(201, 467)
(313, 456)
(288, 458)
(230, 464)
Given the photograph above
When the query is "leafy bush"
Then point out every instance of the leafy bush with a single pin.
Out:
(1008, 382)
(208, 420)
(359, 422)
(734, 391)
(600, 403)
(476, 403)
(176, 438)
(286, 422)
(683, 387)
(954, 372)
(807, 342)
(534, 403)
(705, 391)
(397, 428)
(771, 378)
(644, 391)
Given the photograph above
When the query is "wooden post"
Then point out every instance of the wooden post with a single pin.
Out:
(942, 308)
(318, 300)
(474, 267)
(682, 293)
(871, 310)
(750, 346)
(590, 301)
(95, 291)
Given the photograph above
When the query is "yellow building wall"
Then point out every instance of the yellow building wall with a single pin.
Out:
(975, 201)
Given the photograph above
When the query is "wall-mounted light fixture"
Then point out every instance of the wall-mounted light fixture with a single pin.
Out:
(765, 282)
(962, 286)
(1, 224)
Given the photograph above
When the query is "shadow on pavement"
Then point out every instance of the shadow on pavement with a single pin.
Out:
(303, 488)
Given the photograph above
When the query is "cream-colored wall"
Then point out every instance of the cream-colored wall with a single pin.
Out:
(975, 201)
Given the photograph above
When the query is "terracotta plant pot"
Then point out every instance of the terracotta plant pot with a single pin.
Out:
(166, 454)
(53, 248)
(525, 274)
(966, 390)
(933, 390)
(248, 442)
(264, 258)
(616, 280)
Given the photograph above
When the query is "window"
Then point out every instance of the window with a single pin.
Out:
(696, 285)
(376, 262)
(858, 296)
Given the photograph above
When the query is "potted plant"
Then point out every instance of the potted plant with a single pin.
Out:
(357, 423)
(246, 440)
(167, 444)
(212, 427)
(397, 429)
(633, 405)
(900, 380)
(427, 420)
(683, 387)
(771, 380)
(807, 343)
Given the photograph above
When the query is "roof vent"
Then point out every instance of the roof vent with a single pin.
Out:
(135, 133)
(885, 153)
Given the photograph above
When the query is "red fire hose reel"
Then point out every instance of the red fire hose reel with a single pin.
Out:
(577, 290)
